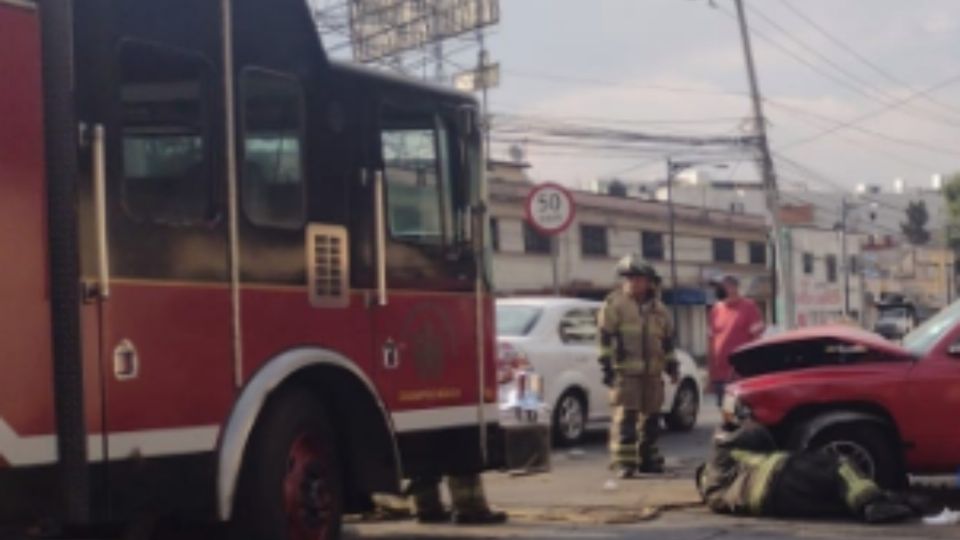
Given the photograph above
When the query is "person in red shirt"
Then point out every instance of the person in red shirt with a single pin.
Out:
(734, 321)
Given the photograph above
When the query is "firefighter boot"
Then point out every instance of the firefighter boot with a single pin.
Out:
(887, 511)
(470, 503)
(426, 501)
(651, 461)
(623, 443)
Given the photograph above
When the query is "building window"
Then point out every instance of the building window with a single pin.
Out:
(808, 263)
(495, 234)
(272, 175)
(534, 241)
(831, 262)
(593, 240)
(723, 250)
(758, 253)
(854, 265)
(652, 244)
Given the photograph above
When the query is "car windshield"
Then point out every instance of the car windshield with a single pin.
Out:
(923, 338)
(893, 313)
(516, 321)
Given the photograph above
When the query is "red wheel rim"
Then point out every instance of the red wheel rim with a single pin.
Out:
(308, 492)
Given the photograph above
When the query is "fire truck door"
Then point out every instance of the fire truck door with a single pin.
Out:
(156, 245)
(425, 323)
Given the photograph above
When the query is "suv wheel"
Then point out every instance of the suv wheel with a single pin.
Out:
(570, 418)
(868, 447)
(686, 408)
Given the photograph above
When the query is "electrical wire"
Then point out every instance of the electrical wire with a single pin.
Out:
(865, 87)
(862, 58)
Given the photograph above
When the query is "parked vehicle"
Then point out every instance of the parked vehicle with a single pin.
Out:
(557, 338)
(887, 406)
(895, 321)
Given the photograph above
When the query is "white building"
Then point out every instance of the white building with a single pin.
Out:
(826, 288)
(708, 242)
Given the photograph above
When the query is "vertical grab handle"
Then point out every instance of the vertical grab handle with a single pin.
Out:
(381, 237)
(99, 149)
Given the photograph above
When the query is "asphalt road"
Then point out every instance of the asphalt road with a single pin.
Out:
(580, 499)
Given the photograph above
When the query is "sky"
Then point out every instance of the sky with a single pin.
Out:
(857, 91)
(679, 64)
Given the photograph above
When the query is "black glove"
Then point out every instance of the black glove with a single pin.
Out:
(608, 374)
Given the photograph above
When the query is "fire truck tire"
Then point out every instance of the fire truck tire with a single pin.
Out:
(291, 486)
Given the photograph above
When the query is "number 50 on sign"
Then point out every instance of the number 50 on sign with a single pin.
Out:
(549, 208)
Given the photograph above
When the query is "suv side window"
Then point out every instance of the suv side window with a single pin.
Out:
(578, 326)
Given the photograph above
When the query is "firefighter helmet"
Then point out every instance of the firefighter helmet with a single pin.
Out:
(634, 265)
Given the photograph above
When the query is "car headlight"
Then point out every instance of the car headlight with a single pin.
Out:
(734, 410)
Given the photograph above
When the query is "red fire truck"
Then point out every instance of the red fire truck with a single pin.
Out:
(240, 280)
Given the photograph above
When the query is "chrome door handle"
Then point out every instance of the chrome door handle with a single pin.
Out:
(126, 361)
(391, 355)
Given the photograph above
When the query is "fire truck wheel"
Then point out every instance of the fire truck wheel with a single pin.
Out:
(291, 486)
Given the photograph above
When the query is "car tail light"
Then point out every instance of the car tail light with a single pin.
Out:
(510, 360)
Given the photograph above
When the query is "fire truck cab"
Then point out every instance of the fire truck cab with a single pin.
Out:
(241, 280)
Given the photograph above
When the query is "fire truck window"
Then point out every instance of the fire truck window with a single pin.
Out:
(167, 177)
(415, 189)
(272, 187)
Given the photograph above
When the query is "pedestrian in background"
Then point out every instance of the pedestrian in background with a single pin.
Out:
(636, 336)
(734, 322)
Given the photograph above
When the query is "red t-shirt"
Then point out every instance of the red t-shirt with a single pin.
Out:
(732, 324)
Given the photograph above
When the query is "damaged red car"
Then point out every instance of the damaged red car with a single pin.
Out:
(892, 408)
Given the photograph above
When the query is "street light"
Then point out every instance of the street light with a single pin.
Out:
(674, 167)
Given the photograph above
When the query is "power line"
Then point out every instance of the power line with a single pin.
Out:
(853, 124)
(865, 87)
(842, 82)
(837, 126)
(863, 59)
(617, 84)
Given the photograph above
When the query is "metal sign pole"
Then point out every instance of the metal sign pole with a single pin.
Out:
(554, 256)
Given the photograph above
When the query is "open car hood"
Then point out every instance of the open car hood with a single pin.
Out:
(812, 347)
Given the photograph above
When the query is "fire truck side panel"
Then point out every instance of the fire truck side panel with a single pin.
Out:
(26, 404)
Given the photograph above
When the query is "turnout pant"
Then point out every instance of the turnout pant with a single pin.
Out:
(636, 401)
(819, 484)
(466, 495)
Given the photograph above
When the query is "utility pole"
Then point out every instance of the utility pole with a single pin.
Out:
(783, 259)
(845, 265)
(672, 217)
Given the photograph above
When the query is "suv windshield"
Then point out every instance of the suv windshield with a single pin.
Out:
(924, 337)
(516, 321)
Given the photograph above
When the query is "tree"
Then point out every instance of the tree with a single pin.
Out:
(951, 192)
(617, 189)
(915, 228)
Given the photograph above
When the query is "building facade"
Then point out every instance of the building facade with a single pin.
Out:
(605, 228)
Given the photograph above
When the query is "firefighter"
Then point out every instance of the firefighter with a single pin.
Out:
(466, 495)
(747, 475)
(636, 337)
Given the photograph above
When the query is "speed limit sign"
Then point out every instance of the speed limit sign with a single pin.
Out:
(550, 208)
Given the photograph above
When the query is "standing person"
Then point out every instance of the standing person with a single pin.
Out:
(636, 349)
(734, 321)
